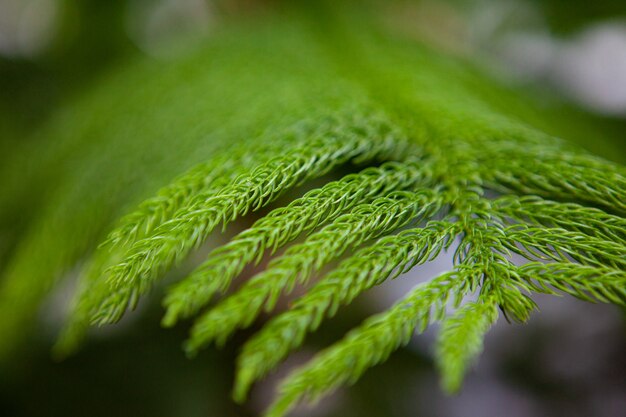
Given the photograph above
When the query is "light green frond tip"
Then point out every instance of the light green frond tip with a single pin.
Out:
(461, 340)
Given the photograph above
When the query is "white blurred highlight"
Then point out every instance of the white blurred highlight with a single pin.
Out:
(27, 26)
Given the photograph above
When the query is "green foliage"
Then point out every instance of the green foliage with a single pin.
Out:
(281, 226)
(461, 339)
(299, 262)
(365, 346)
(447, 161)
(370, 266)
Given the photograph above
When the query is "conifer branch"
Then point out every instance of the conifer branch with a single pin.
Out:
(589, 283)
(150, 257)
(299, 262)
(569, 216)
(537, 243)
(369, 344)
(572, 180)
(283, 225)
(452, 162)
(386, 259)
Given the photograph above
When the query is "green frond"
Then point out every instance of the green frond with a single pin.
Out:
(461, 339)
(92, 289)
(570, 216)
(589, 283)
(482, 257)
(369, 344)
(540, 243)
(513, 303)
(204, 179)
(448, 160)
(283, 225)
(174, 239)
(299, 262)
(563, 178)
(386, 259)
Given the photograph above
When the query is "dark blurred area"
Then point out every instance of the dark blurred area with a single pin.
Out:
(570, 360)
